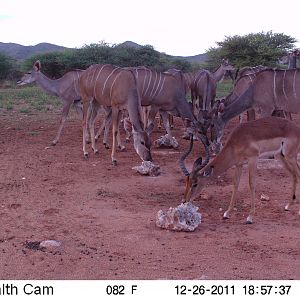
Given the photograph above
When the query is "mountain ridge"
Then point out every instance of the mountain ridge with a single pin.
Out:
(20, 52)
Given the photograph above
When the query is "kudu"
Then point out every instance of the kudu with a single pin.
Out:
(248, 71)
(246, 144)
(271, 90)
(290, 59)
(66, 88)
(111, 86)
(203, 86)
(162, 92)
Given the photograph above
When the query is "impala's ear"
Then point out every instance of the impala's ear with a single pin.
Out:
(37, 66)
(209, 172)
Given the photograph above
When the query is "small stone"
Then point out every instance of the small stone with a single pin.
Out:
(165, 141)
(50, 243)
(184, 217)
(264, 197)
(148, 168)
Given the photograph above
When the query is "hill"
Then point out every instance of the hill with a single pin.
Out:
(22, 52)
(192, 59)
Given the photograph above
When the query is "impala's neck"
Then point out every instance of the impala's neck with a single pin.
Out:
(222, 162)
(49, 85)
(241, 104)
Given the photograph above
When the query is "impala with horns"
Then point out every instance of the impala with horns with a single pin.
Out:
(114, 87)
(246, 144)
(271, 90)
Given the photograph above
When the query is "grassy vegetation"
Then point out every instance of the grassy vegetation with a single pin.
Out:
(224, 88)
(27, 100)
(30, 99)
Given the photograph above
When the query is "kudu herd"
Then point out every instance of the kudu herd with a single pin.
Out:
(115, 89)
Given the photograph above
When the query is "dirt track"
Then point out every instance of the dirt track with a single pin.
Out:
(104, 216)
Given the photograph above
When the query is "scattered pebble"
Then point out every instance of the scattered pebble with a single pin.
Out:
(264, 197)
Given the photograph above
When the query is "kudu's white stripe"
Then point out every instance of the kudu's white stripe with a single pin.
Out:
(145, 80)
(117, 68)
(156, 94)
(294, 84)
(283, 88)
(149, 81)
(95, 82)
(154, 85)
(111, 87)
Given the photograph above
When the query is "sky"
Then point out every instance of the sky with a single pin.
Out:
(183, 28)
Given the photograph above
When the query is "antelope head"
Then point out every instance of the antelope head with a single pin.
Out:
(193, 179)
(30, 76)
(227, 66)
(141, 140)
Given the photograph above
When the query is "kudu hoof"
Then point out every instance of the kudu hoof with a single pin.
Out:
(114, 162)
(53, 143)
(106, 146)
(85, 156)
(122, 148)
(249, 221)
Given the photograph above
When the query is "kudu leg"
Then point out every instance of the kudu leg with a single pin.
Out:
(78, 107)
(236, 182)
(63, 119)
(120, 145)
(94, 109)
(85, 119)
(106, 123)
(166, 122)
(115, 127)
(151, 118)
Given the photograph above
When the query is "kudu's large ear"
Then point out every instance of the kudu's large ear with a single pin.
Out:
(37, 66)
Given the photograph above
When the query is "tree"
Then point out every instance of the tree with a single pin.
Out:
(7, 67)
(252, 49)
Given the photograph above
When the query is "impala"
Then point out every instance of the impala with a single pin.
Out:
(246, 144)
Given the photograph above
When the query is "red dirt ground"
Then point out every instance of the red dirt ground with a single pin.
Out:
(104, 216)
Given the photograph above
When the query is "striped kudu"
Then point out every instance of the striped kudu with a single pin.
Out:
(247, 143)
(290, 59)
(248, 71)
(203, 85)
(114, 87)
(162, 92)
(271, 90)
